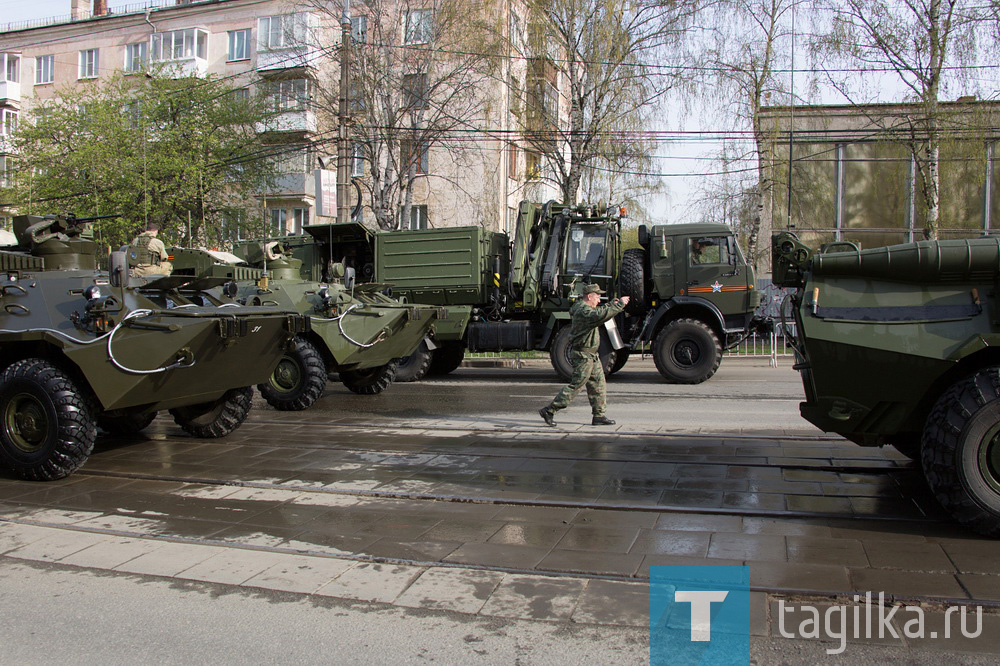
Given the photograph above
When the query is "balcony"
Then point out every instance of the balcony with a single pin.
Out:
(294, 184)
(10, 91)
(294, 57)
(283, 42)
(303, 122)
(183, 52)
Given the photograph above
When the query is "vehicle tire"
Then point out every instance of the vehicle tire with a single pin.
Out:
(687, 351)
(370, 381)
(447, 357)
(124, 421)
(560, 349)
(298, 380)
(621, 358)
(414, 367)
(47, 427)
(632, 281)
(215, 419)
(960, 451)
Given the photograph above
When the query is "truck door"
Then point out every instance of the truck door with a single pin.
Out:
(715, 271)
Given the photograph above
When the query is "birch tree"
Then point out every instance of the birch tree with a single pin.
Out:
(925, 44)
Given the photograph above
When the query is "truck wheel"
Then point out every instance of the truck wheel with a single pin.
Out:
(124, 421)
(687, 351)
(621, 358)
(961, 451)
(446, 358)
(414, 367)
(298, 380)
(560, 349)
(370, 381)
(632, 280)
(215, 419)
(47, 429)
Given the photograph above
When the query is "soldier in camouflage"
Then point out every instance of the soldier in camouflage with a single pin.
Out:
(588, 315)
(148, 255)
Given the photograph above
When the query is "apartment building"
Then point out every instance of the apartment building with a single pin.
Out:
(291, 48)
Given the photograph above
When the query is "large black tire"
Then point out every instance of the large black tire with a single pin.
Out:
(371, 381)
(298, 380)
(621, 358)
(960, 451)
(447, 357)
(125, 421)
(687, 351)
(560, 349)
(632, 281)
(47, 428)
(414, 367)
(215, 419)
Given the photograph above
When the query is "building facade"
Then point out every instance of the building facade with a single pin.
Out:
(290, 50)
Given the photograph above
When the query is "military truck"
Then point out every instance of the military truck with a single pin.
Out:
(692, 292)
(82, 348)
(355, 330)
(900, 346)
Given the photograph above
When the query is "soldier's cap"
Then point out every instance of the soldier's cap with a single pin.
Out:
(592, 289)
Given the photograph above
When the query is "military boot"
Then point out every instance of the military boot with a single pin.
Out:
(547, 414)
(602, 420)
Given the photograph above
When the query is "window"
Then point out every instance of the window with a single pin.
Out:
(4, 167)
(516, 32)
(289, 94)
(293, 158)
(418, 218)
(532, 165)
(585, 253)
(232, 225)
(709, 251)
(8, 122)
(415, 91)
(88, 64)
(300, 218)
(357, 160)
(414, 155)
(419, 24)
(242, 94)
(512, 154)
(45, 67)
(178, 45)
(239, 45)
(281, 32)
(11, 70)
(359, 29)
(279, 222)
(136, 56)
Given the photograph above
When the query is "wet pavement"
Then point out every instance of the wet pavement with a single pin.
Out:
(447, 494)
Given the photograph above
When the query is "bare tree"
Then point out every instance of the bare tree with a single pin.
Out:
(747, 58)
(924, 43)
(417, 72)
(612, 54)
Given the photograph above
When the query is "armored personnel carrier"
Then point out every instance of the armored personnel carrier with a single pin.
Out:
(900, 345)
(355, 330)
(82, 348)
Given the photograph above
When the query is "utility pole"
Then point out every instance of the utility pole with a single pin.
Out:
(343, 145)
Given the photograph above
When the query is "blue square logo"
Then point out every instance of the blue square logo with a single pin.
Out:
(699, 615)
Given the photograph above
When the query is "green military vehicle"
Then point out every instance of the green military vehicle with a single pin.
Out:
(692, 292)
(82, 348)
(355, 330)
(900, 345)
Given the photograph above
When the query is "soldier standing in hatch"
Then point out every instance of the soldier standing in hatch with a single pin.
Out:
(150, 253)
(587, 315)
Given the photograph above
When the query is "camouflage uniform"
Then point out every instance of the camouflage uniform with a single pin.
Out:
(152, 256)
(587, 369)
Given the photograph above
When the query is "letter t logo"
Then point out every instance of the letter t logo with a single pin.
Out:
(701, 610)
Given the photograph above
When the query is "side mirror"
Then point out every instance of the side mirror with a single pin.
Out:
(643, 234)
(230, 289)
(348, 278)
(118, 273)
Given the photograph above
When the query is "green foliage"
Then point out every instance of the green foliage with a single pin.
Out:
(177, 151)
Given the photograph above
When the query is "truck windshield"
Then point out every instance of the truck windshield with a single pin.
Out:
(586, 252)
